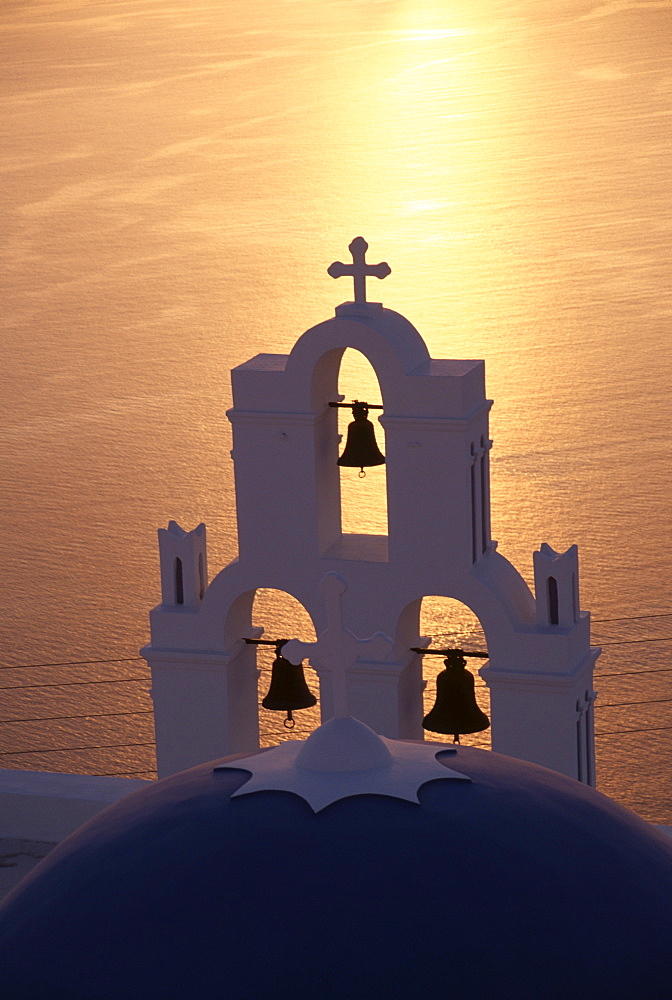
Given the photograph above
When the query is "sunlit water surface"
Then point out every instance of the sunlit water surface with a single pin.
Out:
(176, 179)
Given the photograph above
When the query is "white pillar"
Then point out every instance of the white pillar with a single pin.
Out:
(534, 716)
(205, 705)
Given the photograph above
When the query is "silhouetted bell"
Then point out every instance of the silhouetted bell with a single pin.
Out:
(455, 711)
(360, 447)
(288, 690)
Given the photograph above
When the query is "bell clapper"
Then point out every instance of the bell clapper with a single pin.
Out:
(289, 722)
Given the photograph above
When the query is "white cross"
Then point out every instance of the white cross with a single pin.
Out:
(337, 649)
(359, 269)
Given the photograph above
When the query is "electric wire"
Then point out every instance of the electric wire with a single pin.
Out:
(135, 659)
(631, 618)
(130, 659)
(71, 663)
(624, 732)
(113, 680)
(629, 642)
(105, 746)
(630, 673)
(62, 718)
(625, 704)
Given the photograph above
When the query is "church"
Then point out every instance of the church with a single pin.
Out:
(362, 862)
(288, 496)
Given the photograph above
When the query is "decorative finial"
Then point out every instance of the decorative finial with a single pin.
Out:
(359, 269)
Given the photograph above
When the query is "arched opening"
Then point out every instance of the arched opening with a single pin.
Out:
(553, 607)
(580, 745)
(363, 500)
(282, 617)
(474, 514)
(452, 625)
(179, 582)
(590, 738)
(201, 576)
(485, 493)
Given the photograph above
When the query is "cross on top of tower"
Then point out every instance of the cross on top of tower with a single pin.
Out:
(359, 269)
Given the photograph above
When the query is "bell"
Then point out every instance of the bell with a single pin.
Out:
(455, 711)
(288, 690)
(361, 448)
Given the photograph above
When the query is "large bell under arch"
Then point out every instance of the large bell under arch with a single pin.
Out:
(363, 499)
(282, 617)
(451, 624)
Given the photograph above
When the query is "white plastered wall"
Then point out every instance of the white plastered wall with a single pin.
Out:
(285, 441)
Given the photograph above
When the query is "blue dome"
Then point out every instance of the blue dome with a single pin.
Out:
(519, 884)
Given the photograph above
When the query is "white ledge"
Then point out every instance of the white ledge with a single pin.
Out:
(48, 806)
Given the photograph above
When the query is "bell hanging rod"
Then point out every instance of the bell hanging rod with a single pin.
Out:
(266, 642)
(444, 652)
(370, 406)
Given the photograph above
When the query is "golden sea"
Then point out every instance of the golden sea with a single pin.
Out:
(176, 178)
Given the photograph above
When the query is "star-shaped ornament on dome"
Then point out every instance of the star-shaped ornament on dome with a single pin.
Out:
(343, 757)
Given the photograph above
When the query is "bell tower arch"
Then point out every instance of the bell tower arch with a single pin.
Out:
(290, 534)
(363, 495)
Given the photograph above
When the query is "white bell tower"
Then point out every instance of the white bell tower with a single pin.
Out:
(285, 441)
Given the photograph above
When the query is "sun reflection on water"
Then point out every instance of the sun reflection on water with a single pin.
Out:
(170, 211)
